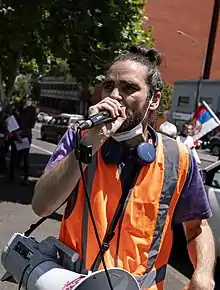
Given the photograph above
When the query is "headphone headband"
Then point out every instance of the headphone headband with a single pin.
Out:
(153, 135)
(145, 153)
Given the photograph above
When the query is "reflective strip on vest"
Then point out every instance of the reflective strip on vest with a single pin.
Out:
(90, 173)
(171, 164)
(151, 278)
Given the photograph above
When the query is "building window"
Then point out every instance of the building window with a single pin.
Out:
(208, 100)
(183, 101)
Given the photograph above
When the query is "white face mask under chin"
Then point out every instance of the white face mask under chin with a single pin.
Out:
(136, 131)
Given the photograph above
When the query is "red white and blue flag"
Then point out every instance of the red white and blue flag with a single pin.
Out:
(204, 121)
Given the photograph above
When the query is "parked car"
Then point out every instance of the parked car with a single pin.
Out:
(197, 144)
(43, 117)
(57, 126)
(211, 178)
(214, 144)
(205, 141)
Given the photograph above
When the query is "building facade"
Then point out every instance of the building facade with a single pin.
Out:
(60, 94)
(181, 31)
(187, 95)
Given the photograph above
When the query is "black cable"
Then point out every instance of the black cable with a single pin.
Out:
(92, 216)
(33, 227)
(94, 225)
(22, 276)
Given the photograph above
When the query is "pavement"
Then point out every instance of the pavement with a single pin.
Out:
(16, 214)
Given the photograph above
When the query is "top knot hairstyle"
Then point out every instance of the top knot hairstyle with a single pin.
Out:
(151, 54)
(149, 58)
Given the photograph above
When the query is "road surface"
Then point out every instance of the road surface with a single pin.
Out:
(16, 213)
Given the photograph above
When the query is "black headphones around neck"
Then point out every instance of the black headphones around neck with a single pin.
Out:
(144, 153)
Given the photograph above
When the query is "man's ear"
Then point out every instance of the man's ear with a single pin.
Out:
(155, 101)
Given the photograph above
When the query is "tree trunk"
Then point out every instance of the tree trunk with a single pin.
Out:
(14, 64)
(10, 86)
(2, 93)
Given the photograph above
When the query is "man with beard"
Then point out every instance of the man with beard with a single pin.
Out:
(143, 181)
(186, 138)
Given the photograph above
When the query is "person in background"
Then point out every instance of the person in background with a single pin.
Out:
(185, 135)
(4, 141)
(27, 114)
(27, 119)
(14, 137)
(168, 129)
(186, 138)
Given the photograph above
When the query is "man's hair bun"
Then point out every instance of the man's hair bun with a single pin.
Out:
(151, 54)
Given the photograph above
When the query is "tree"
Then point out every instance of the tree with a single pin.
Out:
(21, 31)
(166, 99)
(90, 33)
(21, 85)
(59, 67)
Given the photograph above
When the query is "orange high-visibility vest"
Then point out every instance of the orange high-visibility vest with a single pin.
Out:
(143, 240)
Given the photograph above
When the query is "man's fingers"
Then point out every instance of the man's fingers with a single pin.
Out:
(123, 112)
(108, 107)
(108, 104)
(93, 110)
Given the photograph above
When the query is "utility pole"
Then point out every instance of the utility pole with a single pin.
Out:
(197, 95)
(2, 94)
(211, 41)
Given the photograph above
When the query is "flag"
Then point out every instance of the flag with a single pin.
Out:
(204, 121)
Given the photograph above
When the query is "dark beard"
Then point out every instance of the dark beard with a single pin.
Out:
(133, 119)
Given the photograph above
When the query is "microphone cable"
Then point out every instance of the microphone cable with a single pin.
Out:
(78, 136)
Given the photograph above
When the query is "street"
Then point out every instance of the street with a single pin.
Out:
(17, 215)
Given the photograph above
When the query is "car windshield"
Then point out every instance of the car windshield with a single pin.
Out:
(72, 121)
(64, 121)
(53, 120)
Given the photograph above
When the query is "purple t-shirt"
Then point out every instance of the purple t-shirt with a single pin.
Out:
(193, 203)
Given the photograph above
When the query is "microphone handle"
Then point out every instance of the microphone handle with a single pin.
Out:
(100, 118)
(96, 119)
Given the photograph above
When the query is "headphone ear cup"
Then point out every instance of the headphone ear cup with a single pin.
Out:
(146, 153)
(111, 152)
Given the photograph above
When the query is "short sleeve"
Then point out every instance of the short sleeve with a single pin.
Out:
(64, 147)
(193, 203)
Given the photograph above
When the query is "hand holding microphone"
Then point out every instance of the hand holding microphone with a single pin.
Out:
(108, 115)
(94, 120)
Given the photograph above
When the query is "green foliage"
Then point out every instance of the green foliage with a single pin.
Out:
(21, 37)
(59, 67)
(166, 100)
(66, 36)
(28, 67)
(90, 33)
(21, 86)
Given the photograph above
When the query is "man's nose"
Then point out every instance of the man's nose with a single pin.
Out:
(115, 94)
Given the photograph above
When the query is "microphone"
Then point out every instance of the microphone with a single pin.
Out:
(97, 119)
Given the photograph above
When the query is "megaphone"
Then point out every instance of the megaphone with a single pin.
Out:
(38, 266)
